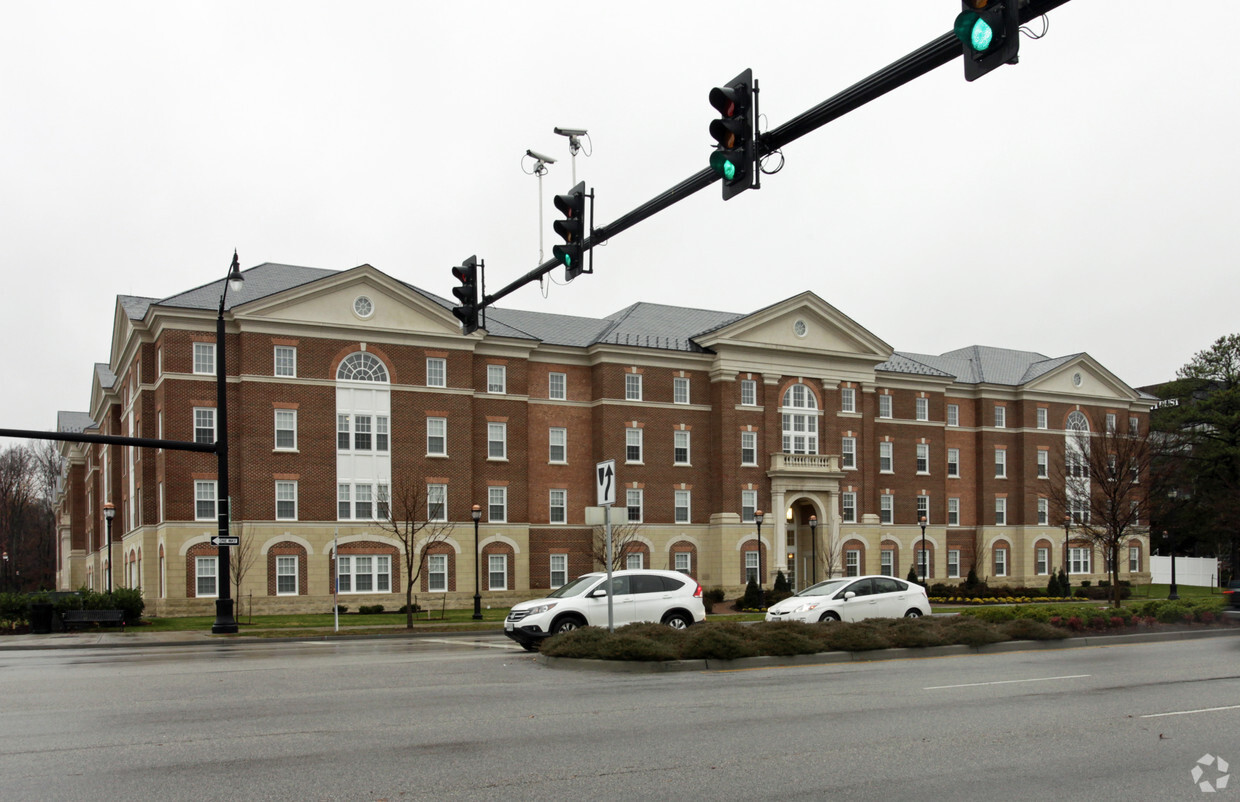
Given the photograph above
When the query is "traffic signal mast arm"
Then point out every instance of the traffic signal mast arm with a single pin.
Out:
(930, 56)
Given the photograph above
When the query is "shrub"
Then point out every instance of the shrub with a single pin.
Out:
(635, 647)
(752, 600)
(581, 642)
(913, 633)
(781, 583)
(860, 637)
(724, 641)
(404, 608)
(912, 576)
(1052, 587)
(971, 581)
(1032, 629)
(342, 608)
(968, 631)
(13, 610)
(370, 609)
(716, 595)
(789, 637)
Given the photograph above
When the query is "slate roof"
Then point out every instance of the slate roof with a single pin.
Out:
(135, 307)
(978, 364)
(74, 422)
(261, 281)
(105, 375)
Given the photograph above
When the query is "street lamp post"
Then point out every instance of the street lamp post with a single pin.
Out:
(1174, 594)
(813, 548)
(225, 623)
(6, 571)
(476, 514)
(925, 562)
(757, 516)
(109, 512)
(1067, 564)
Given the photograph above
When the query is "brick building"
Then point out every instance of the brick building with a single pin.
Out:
(344, 386)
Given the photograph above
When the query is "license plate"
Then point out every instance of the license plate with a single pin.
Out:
(508, 626)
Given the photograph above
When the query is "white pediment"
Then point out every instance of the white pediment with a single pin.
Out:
(804, 323)
(1083, 376)
(359, 298)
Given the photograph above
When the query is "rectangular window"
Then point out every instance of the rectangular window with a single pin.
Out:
(886, 508)
(344, 502)
(1042, 417)
(365, 573)
(286, 364)
(632, 444)
(1000, 463)
(437, 502)
(382, 441)
(1001, 512)
(953, 462)
(1110, 423)
(682, 561)
(559, 570)
(205, 577)
(1044, 468)
(749, 393)
(887, 560)
(953, 512)
(953, 414)
(680, 390)
(848, 452)
(286, 429)
(848, 399)
(886, 461)
(1000, 416)
(361, 433)
(634, 562)
(923, 509)
(1001, 567)
(1043, 561)
(437, 437)
(383, 499)
(632, 387)
(437, 573)
(953, 563)
(923, 458)
(682, 502)
(848, 508)
(286, 575)
(1044, 512)
(204, 359)
(749, 448)
(884, 406)
(633, 501)
(923, 409)
(1079, 560)
(558, 509)
(1134, 426)
(497, 504)
(1134, 559)
(751, 566)
(436, 372)
(852, 563)
(497, 441)
(286, 501)
(558, 449)
(497, 572)
(204, 425)
(343, 430)
(497, 379)
(749, 505)
(363, 504)
(205, 508)
(680, 447)
(557, 386)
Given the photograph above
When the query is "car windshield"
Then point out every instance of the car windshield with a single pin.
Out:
(574, 588)
(825, 588)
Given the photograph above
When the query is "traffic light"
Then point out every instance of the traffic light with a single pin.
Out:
(990, 33)
(571, 228)
(733, 158)
(467, 293)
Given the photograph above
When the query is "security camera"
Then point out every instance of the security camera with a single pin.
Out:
(535, 155)
(569, 131)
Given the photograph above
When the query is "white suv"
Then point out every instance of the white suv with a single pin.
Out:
(668, 597)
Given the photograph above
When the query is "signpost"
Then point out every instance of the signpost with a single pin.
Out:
(605, 484)
(225, 540)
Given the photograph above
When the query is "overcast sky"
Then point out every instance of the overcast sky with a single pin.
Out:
(1083, 200)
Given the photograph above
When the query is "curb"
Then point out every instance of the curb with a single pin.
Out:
(131, 640)
(827, 658)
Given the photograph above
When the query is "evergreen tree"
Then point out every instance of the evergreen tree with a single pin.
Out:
(781, 583)
(752, 600)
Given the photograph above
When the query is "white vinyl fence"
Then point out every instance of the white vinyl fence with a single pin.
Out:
(1197, 571)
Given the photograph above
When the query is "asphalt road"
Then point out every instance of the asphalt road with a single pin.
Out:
(452, 718)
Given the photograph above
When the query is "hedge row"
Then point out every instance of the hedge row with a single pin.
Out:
(15, 607)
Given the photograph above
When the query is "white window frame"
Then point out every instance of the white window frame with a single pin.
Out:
(436, 496)
(887, 562)
(953, 463)
(923, 509)
(1134, 559)
(749, 448)
(1080, 560)
(1000, 463)
(682, 505)
(437, 573)
(497, 441)
(1044, 512)
(204, 421)
(749, 393)
(886, 457)
(680, 390)
(436, 371)
(799, 415)
(351, 567)
(682, 561)
(1044, 463)
(557, 386)
(632, 387)
(848, 453)
(436, 430)
(557, 506)
(284, 361)
(283, 564)
(953, 414)
(497, 504)
(923, 409)
(753, 563)
(204, 359)
(848, 507)
(497, 379)
(848, 399)
(289, 427)
(201, 486)
(923, 458)
(884, 406)
(886, 508)
(497, 565)
(1000, 511)
(1042, 417)
(635, 512)
(558, 564)
(206, 569)
(749, 505)
(557, 445)
(286, 493)
(1042, 561)
(953, 563)
(681, 443)
(634, 561)
(1000, 416)
(953, 511)
(852, 562)
(1001, 561)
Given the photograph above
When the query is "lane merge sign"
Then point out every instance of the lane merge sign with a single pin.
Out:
(605, 482)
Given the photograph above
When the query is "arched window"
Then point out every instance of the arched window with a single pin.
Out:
(362, 367)
(800, 420)
(1076, 457)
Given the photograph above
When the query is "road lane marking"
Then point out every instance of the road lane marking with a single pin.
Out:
(458, 642)
(1186, 712)
(1004, 682)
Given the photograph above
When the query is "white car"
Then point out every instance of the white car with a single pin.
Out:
(853, 598)
(668, 597)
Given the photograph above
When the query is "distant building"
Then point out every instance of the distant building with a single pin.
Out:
(344, 384)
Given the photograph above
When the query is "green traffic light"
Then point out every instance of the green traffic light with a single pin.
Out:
(722, 165)
(568, 260)
(974, 31)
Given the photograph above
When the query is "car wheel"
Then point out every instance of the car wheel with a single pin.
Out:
(567, 624)
(530, 647)
(829, 616)
(677, 620)
(913, 613)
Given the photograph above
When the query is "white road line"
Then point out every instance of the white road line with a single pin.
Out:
(1003, 682)
(459, 642)
(1186, 712)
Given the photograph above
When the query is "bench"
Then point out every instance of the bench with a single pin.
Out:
(73, 618)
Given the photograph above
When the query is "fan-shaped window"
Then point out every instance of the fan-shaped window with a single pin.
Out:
(800, 428)
(801, 397)
(1077, 422)
(362, 367)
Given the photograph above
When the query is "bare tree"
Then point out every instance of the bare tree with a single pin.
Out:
(242, 559)
(980, 555)
(1103, 486)
(48, 466)
(17, 492)
(625, 540)
(405, 516)
(831, 555)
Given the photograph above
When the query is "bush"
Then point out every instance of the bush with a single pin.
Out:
(724, 641)
(370, 609)
(863, 636)
(788, 637)
(13, 610)
(971, 581)
(752, 600)
(781, 584)
(1032, 629)
(912, 577)
(716, 595)
(912, 633)
(404, 608)
(969, 631)
(342, 608)
(581, 642)
(635, 647)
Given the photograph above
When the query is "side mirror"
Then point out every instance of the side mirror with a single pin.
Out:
(850, 594)
(597, 593)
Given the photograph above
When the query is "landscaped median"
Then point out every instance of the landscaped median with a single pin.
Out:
(723, 645)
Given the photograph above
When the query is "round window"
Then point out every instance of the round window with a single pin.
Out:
(363, 307)
(799, 328)
(1076, 380)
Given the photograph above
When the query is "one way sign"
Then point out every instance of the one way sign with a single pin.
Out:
(605, 481)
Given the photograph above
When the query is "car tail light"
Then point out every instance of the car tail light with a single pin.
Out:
(697, 594)
(1228, 592)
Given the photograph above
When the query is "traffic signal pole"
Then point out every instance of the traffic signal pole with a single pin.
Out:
(930, 56)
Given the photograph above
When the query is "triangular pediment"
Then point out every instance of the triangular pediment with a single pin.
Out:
(804, 323)
(1083, 376)
(359, 298)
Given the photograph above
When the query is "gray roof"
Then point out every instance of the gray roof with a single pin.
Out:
(74, 422)
(105, 375)
(648, 325)
(261, 281)
(135, 307)
(978, 364)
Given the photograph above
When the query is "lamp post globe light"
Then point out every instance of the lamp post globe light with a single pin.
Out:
(813, 548)
(109, 512)
(925, 562)
(225, 623)
(476, 513)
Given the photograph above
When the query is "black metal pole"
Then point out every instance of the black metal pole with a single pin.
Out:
(107, 525)
(925, 561)
(477, 514)
(225, 623)
(1175, 591)
(813, 548)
